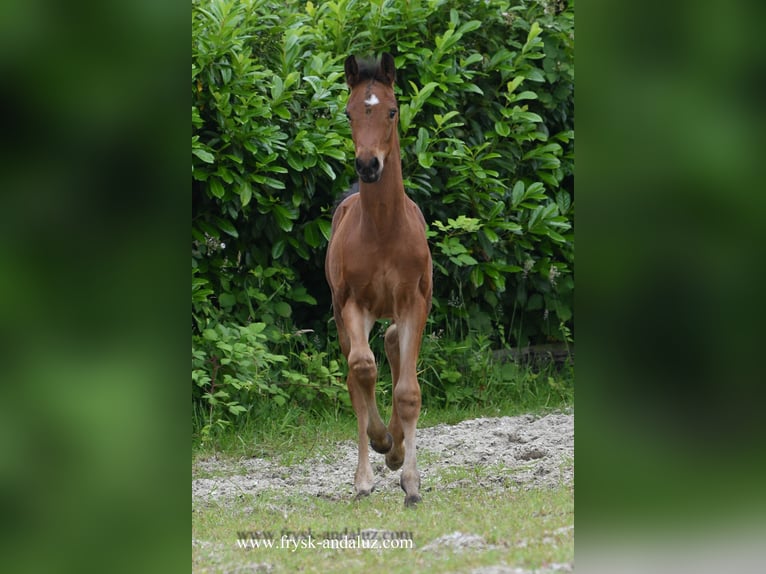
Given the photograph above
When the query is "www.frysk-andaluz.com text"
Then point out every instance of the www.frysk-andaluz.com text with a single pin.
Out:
(306, 539)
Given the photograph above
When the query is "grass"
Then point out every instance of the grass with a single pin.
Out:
(291, 434)
(527, 529)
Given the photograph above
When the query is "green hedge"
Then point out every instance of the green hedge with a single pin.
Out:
(486, 105)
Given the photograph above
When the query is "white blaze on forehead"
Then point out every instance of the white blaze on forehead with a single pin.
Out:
(372, 100)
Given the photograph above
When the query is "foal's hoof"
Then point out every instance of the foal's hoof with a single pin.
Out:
(412, 500)
(394, 462)
(361, 494)
(385, 447)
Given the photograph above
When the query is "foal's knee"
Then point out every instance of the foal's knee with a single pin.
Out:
(407, 401)
(362, 365)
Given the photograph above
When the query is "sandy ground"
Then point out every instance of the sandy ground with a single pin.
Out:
(523, 452)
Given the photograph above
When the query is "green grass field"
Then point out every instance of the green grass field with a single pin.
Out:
(527, 529)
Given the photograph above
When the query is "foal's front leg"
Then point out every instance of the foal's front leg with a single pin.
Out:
(407, 396)
(362, 375)
(363, 478)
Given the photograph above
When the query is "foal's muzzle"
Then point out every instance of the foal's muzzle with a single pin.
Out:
(369, 170)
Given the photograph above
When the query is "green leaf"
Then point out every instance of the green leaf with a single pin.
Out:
(276, 87)
(245, 194)
(473, 88)
(534, 32)
(514, 83)
(422, 95)
(282, 215)
(283, 309)
(477, 276)
(502, 128)
(277, 249)
(216, 187)
(454, 18)
(226, 226)
(525, 95)
(421, 144)
(282, 112)
(472, 59)
(518, 193)
(466, 259)
(227, 299)
(311, 235)
(469, 27)
(334, 153)
(536, 190)
(529, 117)
(548, 178)
(497, 209)
(563, 311)
(295, 162)
(548, 150)
(302, 296)
(440, 120)
(205, 156)
(557, 237)
(209, 229)
(490, 235)
(425, 159)
(325, 167)
(275, 183)
(511, 226)
(210, 334)
(325, 227)
(406, 114)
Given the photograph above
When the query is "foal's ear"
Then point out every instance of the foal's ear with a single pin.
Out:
(352, 71)
(388, 68)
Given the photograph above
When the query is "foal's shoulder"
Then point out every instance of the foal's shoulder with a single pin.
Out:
(416, 209)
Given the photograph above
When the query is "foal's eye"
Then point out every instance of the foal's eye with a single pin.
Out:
(392, 113)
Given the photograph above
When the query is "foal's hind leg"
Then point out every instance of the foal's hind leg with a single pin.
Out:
(395, 456)
(362, 375)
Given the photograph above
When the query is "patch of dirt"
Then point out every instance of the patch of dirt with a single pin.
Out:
(505, 453)
(457, 541)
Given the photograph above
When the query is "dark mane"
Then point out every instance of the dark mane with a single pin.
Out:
(351, 191)
(369, 69)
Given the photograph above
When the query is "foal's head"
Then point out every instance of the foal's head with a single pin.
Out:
(373, 114)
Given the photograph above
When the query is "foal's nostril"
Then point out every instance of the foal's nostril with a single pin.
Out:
(371, 166)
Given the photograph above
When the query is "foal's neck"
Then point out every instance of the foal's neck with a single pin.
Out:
(383, 201)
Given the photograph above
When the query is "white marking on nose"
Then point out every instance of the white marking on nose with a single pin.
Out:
(372, 100)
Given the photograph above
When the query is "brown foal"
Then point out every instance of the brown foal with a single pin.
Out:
(379, 267)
